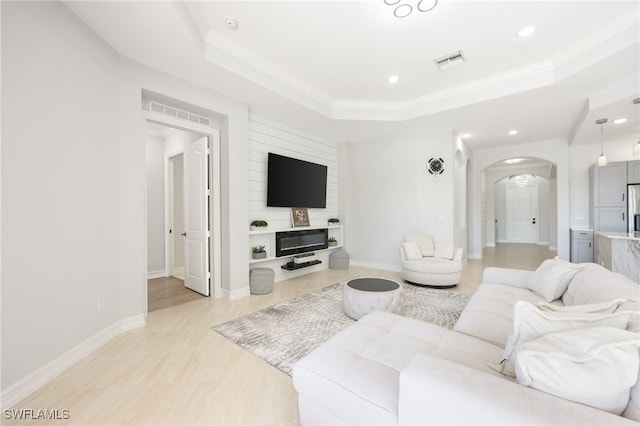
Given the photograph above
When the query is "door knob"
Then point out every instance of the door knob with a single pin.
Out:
(184, 234)
(534, 221)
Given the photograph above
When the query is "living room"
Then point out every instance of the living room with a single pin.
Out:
(74, 214)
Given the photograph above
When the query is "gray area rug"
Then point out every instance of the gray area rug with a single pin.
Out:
(284, 333)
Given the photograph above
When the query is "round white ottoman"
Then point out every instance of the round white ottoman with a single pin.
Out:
(364, 295)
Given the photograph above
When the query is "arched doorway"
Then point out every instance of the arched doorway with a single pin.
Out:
(520, 202)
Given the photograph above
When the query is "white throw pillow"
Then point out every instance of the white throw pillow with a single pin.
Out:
(425, 242)
(530, 322)
(591, 366)
(552, 278)
(593, 308)
(412, 251)
(444, 251)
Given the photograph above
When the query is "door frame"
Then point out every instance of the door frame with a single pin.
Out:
(508, 212)
(215, 208)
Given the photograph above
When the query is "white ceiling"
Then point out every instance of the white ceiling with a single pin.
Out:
(323, 65)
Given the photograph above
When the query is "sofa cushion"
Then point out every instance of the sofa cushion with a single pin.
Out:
(489, 313)
(443, 251)
(425, 242)
(587, 287)
(530, 322)
(551, 278)
(579, 364)
(432, 265)
(356, 372)
(411, 250)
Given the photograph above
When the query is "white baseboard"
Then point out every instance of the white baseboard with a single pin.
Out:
(156, 274)
(236, 294)
(34, 381)
(543, 243)
(178, 272)
(474, 255)
(375, 265)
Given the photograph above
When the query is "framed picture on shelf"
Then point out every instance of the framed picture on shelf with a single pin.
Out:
(299, 217)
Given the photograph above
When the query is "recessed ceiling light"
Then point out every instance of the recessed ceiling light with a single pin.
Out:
(526, 31)
(513, 132)
(231, 23)
(394, 79)
(620, 120)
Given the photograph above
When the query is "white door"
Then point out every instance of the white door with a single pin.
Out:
(196, 198)
(522, 213)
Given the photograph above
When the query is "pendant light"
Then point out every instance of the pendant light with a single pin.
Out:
(602, 160)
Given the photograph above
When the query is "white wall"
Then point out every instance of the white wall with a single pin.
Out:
(60, 186)
(461, 207)
(391, 194)
(178, 212)
(155, 206)
(73, 189)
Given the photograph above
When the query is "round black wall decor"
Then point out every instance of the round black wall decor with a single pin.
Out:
(436, 166)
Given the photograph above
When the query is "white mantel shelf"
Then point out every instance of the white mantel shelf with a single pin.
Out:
(268, 230)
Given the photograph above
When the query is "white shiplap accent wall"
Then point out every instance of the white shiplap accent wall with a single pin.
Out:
(266, 135)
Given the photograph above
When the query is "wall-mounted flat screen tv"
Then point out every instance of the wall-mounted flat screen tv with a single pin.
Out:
(295, 183)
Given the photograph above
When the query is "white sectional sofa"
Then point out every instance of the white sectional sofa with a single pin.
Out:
(388, 369)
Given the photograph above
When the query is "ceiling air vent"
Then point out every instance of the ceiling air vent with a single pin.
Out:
(449, 61)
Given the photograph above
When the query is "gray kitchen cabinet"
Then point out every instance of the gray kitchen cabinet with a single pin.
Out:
(633, 171)
(581, 245)
(610, 185)
(610, 219)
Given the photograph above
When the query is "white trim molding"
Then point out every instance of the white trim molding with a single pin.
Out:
(34, 381)
(157, 274)
(236, 294)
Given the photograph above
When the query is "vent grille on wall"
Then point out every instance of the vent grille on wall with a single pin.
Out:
(449, 61)
(178, 113)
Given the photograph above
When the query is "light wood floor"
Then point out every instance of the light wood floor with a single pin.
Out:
(176, 370)
(167, 292)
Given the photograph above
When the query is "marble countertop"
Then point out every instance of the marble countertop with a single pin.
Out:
(621, 235)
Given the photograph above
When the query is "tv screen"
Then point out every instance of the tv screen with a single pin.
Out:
(295, 183)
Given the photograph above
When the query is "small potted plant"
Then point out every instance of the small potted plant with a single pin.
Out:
(258, 252)
(258, 224)
(332, 241)
(333, 221)
(303, 257)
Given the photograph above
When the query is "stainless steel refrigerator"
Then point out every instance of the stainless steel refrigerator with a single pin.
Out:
(633, 206)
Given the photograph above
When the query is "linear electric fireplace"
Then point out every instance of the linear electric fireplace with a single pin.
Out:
(294, 242)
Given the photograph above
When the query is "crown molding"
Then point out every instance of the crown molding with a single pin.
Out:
(514, 81)
(232, 56)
